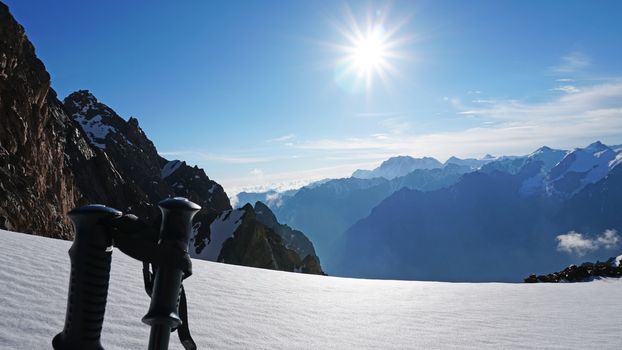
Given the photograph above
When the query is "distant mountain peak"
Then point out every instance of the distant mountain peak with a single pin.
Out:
(398, 166)
(596, 147)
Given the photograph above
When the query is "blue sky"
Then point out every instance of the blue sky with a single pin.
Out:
(249, 90)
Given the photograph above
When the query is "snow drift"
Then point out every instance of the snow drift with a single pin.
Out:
(233, 307)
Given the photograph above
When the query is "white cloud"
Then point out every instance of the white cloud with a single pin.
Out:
(200, 156)
(506, 127)
(283, 138)
(256, 172)
(572, 63)
(569, 89)
(577, 243)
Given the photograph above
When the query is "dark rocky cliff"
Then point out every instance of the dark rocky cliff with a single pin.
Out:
(36, 183)
(56, 156)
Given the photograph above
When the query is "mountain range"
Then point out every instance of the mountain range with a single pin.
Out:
(500, 217)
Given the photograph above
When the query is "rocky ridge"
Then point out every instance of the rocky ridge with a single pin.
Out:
(583, 273)
(56, 156)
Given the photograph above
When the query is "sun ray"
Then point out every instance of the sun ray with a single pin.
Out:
(369, 51)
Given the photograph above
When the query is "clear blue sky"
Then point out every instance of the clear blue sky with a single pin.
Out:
(249, 90)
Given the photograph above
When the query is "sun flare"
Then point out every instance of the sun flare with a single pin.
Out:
(369, 52)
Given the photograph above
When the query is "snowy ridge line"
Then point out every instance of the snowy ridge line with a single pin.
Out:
(235, 307)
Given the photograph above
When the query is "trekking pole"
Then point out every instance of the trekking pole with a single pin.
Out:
(90, 256)
(175, 231)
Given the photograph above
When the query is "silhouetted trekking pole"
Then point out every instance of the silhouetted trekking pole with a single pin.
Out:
(175, 232)
(90, 256)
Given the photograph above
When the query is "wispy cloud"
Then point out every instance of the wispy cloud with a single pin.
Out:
(283, 138)
(379, 114)
(256, 172)
(573, 62)
(511, 127)
(577, 243)
(199, 156)
(569, 89)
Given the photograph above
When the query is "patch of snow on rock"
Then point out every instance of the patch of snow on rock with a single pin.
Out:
(222, 228)
(94, 129)
(169, 168)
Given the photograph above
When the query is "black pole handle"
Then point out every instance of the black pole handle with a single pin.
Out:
(90, 256)
(175, 232)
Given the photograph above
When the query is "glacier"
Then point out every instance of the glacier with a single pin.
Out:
(235, 307)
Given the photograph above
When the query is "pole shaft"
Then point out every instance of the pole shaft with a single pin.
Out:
(159, 337)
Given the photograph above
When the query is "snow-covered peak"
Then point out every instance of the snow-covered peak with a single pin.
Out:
(398, 166)
(593, 159)
(470, 162)
(595, 147)
(548, 156)
(169, 168)
(581, 167)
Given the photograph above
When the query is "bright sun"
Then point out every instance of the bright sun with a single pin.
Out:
(369, 53)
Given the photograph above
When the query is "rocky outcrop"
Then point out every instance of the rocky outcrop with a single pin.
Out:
(36, 183)
(293, 239)
(255, 244)
(583, 273)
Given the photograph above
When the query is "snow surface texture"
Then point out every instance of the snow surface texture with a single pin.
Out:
(234, 307)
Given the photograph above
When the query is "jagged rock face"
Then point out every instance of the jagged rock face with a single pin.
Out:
(293, 239)
(36, 184)
(133, 162)
(255, 244)
(144, 177)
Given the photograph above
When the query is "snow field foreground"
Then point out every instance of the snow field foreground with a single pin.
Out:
(232, 307)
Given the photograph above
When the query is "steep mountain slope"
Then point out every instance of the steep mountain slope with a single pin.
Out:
(341, 202)
(233, 307)
(252, 237)
(483, 228)
(36, 183)
(581, 167)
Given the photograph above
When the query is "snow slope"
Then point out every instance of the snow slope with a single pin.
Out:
(232, 307)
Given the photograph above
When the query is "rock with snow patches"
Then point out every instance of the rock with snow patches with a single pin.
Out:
(237, 237)
(583, 273)
(581, 167)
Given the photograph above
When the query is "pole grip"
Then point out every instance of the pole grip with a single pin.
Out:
(175, 231)
(90, 256)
